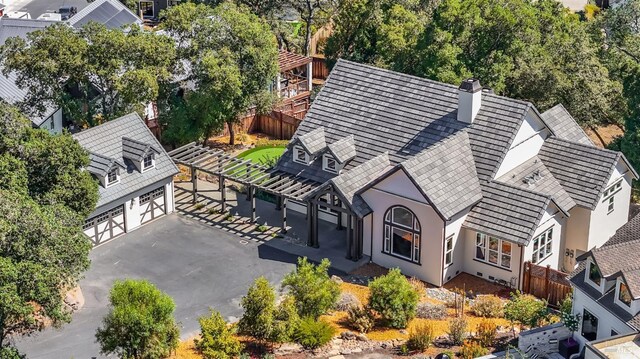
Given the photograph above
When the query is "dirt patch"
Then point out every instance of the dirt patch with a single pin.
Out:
(243, 141)
(477, 285)
(607, 133)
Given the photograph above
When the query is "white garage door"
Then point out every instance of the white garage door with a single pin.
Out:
(152, 205)
(105, 226)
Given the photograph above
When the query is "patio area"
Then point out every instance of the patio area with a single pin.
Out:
(236, 219)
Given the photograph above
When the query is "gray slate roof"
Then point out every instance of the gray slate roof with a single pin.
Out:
(349, 182)
(100, 165)
(312, 141)
(583, 170)
(106, 140)
(343, 149)
(136, 150)
(535, 176)
(10, 92)
(564, 125)
(508, 212)
(446, 174)
(111, 13)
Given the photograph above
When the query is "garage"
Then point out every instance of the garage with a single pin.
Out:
(105, 226)
(152, 205)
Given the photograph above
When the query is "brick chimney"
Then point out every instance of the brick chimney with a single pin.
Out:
(469, 100)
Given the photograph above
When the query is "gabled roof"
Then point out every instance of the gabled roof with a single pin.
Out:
(101, 165)
(136, 150)
(508, 212)
(564, 125)
(535, 176)
(289, 60)
(312, 141)
(446, 174)
(10, 92)
(111, 13)
(106, 140)
(582, 170)
(343, 149)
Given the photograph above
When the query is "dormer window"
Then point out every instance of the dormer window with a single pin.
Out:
(112, 177)
(594, 274)
(624, 295)
(148, 162)
(329, 164)
(300, 155)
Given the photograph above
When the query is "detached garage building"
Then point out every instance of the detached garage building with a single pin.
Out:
(135, 174)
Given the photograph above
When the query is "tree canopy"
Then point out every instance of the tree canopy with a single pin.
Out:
(231, 58)
(91, 73)
(44, 198)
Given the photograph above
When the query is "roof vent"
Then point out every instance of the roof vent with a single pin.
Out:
(469, 100)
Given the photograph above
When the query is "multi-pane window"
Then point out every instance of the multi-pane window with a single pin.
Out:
(147, 162)
(448, 251)
(542, 246)
(493, 250)
(329, 164)
(594, 274)
(112, 177)
(146, 8)
(402, 234)
(624, 295)
(300, 155)
(156, 193)
(608, 195)
(589, 326)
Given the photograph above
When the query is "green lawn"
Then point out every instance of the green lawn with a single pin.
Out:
(266, 155)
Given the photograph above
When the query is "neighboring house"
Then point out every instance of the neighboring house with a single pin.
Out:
(111, 13)
(293, 83)
(10, 92)
(438, 179)
(135, 174)
(150, 9)
(606, 294)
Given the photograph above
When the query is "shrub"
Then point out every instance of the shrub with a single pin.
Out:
(566, 306)
(486, 332)
(312, 333)
(263, 142)
(421, 336)
(457, 300)
(259, 308)
(472, 350)
(360, 319)
(457, 330)
(431, 311)
(286, 321)
(488, 306)
(315, 293)
(140, 322)
(346, 301)
(525, 309)
(393, 297)
(418, 285)
(216, 339)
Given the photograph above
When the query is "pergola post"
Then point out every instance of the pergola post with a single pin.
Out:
(337, 203)
(223, 194)
(284, 215)
(349, 236)
(252, 194)
(356, 252)
(309, 224)
(278, 203)
(194, 181)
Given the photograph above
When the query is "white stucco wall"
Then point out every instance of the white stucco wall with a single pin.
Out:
(552, 218)
(132, 211)
(603, 224)
(606, 320)
(526, 144)
(397, 189)
(454, 229)
(577, 234)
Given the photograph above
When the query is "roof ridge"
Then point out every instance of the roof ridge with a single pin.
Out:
(495, 181)
(439, 144)
(584, 145)
(115, 120)
(617, 245)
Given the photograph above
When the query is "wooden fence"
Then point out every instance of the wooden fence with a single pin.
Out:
(319, 68)
(545, 283)
(278, 124)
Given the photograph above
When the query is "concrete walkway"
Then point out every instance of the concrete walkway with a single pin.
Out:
(333, 243)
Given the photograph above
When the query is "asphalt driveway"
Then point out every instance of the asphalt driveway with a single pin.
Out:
(199, 266)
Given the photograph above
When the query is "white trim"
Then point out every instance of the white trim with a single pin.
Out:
(617, 295)
(111, 183)
(447, 240)
(296, 152)
(588, 280)
(151, 166)
(584, 307)
(325, 164)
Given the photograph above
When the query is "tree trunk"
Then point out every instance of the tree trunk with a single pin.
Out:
(602, 141)
(232, 133)
(307, 40)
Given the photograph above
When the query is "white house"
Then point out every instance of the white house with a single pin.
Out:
(438, 179)
(606, 293)
(135, 175)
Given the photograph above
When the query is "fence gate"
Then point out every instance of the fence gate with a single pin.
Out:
(546, 283)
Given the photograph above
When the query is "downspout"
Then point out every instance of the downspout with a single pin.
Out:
(371, 240)
(444, 235)
(521, 267)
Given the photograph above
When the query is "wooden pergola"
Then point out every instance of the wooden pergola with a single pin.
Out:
(284, 186)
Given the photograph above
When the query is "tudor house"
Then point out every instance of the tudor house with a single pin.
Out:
(438, 179)
(606, 295)
(135, 175)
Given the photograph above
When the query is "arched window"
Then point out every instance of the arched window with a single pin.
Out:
(402, 234)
